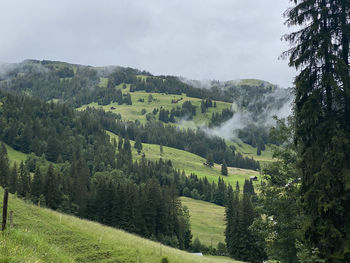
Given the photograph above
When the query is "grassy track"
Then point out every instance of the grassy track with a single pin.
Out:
(207, 221)
(42, 235)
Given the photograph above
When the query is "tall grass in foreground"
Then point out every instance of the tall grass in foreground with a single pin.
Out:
(43, 235)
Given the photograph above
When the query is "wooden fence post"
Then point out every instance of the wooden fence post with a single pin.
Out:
(4, 209)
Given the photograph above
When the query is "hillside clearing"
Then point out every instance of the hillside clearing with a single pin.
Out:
(207, 221)
(190, 163)
(133, 112)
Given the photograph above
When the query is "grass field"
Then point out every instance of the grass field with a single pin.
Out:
(133, 112)
(190, 163)
(15, 156)
(249, 151)
(43, 235)
(207, 221)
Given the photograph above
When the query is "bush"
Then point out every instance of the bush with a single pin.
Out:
(186, 192)
(196, 245)
(195, 194)
(150, 117)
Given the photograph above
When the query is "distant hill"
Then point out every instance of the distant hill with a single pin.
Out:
(127, 91)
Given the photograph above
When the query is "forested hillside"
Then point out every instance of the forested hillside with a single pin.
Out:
(78, 85)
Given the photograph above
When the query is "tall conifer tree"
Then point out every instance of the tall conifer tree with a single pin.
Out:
(4, 166)
(320, 51)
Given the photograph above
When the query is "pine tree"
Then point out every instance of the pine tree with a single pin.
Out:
(248, 187)
(138, 145)
(23, 183)
(258, 151)
(224, 168)
(52, 189)
(237, 188)
(128, 99)
(13, 179)
(232, 235)
(203, 106)
(210, 160)
(127, 147)
(120, 143)
(80, 174)
(4, 166)
(37, 184)
(53, 147)
(320, 51)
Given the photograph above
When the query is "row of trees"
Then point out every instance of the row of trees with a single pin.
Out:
(30, 125)
(218, 118)
(187, 110)
(207, 103)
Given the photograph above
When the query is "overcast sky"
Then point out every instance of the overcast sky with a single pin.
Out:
(197, 39)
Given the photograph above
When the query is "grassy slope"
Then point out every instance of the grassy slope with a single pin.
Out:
(249, 151)
(133, 112)
(15, 156)
(42, 235)
(190, 163)
(207, 221)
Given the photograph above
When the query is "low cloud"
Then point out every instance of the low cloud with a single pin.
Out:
(243, 118)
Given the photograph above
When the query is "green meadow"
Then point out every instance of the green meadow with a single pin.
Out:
(42, 235)
(15, 156)
(190, 163)
(133, 112)
(207, 221)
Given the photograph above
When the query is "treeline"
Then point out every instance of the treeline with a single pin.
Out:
(207, 103)
(172, 85)
(219, 118)
(194, 141)
(150, 209)
(201, 189)
(55, 130)
(187, 110)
